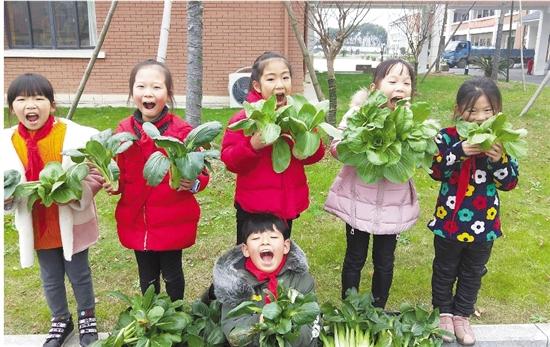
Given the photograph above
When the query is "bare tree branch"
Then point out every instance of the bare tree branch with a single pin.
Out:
(416, 26)
(348, 18)
(447, 42)
(305, 52)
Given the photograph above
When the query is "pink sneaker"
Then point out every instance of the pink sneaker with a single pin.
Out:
(463, 331)
(446, 323)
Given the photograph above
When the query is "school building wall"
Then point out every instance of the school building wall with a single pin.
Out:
(234, 34)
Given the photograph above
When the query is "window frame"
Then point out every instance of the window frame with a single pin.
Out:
(92, 31)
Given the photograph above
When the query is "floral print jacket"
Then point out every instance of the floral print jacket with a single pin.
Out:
(477, 218)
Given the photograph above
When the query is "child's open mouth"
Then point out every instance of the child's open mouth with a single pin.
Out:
(281, 99)
(266, 256)
(395, 99)
(32, 117)
(149, 105)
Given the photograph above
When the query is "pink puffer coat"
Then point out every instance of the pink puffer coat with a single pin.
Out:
(382, 208)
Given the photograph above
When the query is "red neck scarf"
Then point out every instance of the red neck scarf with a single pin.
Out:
(253, 96)
(262, 276)
(35, 164)
(468, 167)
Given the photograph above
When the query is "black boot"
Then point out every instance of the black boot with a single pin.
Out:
(87, 327)
(62, 328)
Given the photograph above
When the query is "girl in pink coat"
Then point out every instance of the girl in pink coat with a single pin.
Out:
(383, 209)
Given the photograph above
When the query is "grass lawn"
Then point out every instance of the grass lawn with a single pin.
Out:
(515, 290)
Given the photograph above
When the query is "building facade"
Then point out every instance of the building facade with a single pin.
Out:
(530, 30)
(56, 39)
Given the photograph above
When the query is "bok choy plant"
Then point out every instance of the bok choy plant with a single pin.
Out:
(282, 318)
(182, 158)
(384, 143)
(11, 180)
(100, 151)
(297, 122)
(54, 185)
(205, 327)
(357, 323)
(151, 320)
(496, 129)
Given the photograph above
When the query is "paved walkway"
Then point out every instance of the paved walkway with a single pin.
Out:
(515, 75)
(505, 335)
(38, 340)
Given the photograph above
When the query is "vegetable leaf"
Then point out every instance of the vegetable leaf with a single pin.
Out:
(496, 129)
(55, 185)
(183, 159)
(11, 180)
(388, 144)
(298, 121)
(100, 150)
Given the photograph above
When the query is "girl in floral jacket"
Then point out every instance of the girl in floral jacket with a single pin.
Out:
(466, 219)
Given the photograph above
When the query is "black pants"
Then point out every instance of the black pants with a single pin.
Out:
(242, 216)
(383, 257)
(463, 263)
(151, 264)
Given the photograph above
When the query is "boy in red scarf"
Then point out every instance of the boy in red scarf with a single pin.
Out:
(250, 269)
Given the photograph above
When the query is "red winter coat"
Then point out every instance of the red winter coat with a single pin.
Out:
(259, 188)
(154, 218)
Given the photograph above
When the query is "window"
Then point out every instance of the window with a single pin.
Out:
(460, 15)
(504, 40)
(484, 13)
(482, 40)
(49, 24)
(459, 38)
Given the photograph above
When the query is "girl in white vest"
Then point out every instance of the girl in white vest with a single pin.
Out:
(60, 234)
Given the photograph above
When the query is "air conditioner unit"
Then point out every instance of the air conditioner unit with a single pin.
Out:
(239, 82)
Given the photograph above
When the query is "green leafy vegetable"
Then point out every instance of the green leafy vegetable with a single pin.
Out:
(283, 318)
(182, 160)
(205, 326)
(298, 121)
(54, 185)
(11, 180)
(494, 130)
(151, 320)
(357, 323)
(100, 151)
(384, 143)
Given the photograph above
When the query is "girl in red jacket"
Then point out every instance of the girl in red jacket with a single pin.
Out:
(156, 222)
(259, 188)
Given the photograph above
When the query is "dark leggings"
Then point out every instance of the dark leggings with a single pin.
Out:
(151, 264)
(382, 258)
(242, 216)
(463, 263)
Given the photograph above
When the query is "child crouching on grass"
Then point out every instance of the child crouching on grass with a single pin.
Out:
(264, 259)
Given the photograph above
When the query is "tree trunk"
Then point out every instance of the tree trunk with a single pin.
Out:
(441, 45)
(496, 57)
(415, 66)
(91, 63)
(193, 100)
(332, 96)
(164, 31)
(305, 52)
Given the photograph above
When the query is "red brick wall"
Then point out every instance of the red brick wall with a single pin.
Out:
(229, 42)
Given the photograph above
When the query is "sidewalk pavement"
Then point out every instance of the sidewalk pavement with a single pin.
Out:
(515, 75)
(38, 340)
(503, 335)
